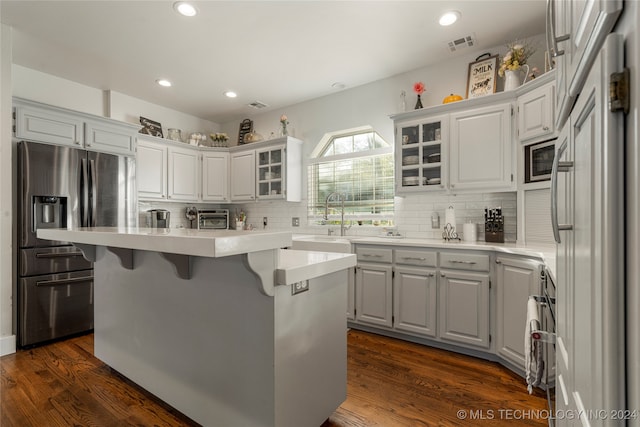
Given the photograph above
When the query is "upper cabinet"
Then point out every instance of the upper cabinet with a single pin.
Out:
(421, 154)
(243, 176)
(215, 176)
(151, 169)
(269, 170)
(481, 148)
(536, 113)
(471, 145)
(576, 32)
(279, 171)
(184, 174)
(54, 125)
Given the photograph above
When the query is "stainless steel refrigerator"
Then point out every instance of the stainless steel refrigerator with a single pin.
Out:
(64, 187)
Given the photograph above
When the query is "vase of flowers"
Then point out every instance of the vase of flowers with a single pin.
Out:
(418, 88)
(284, 122)
(513, 63)
(219, 139)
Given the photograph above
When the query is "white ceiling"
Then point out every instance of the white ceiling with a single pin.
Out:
(276, 52)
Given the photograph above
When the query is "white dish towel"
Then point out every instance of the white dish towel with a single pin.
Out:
(533, 363)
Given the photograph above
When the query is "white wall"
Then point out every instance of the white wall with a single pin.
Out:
(49, 89)
(371, 105)
(7, 339)
(128, 109)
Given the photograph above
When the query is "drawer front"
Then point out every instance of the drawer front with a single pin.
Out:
(462, 261)
(366, 254)
(413, 257)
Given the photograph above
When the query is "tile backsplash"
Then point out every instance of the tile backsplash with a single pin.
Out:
(412, 214)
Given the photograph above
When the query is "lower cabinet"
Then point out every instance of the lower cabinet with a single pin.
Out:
(464, 307)
(415, 300)
(446, 296)
(517, 278)
(374, 294)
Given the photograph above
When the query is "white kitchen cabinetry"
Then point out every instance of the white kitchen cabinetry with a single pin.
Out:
(279, 171)
(464, 299)
(421, 153)
(184, 174)
(535, 113)
(243, 176)
(215, 176)
(48, 124)
(576, 32)
(271, 170)
(415, 291)
(415, 300)
(480, 148)
(110, 137)
(589, 230)
(516, 279)
(374, 292)
(151, 170)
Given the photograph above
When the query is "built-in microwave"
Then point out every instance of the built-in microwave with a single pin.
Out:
(538, 161)
(213, 219)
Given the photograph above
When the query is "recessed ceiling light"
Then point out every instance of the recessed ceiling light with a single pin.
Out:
(164, 82)
(185, 9)
(338, 85)
(230, 94)
(449, 18)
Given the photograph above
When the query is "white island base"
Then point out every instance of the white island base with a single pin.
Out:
(215, 345)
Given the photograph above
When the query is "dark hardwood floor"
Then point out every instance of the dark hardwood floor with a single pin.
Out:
(390, 383)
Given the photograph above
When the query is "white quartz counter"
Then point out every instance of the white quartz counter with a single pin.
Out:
(183, 241)
(547, 253)
(294, 266)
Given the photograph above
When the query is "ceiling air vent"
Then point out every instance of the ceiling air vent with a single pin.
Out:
(461, 43)
(258, 105)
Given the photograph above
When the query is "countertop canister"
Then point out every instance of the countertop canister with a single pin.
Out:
(470, 232)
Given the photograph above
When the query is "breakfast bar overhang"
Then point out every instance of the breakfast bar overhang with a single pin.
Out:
(225, 326)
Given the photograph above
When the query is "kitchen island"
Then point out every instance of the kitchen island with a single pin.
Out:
(225, 326)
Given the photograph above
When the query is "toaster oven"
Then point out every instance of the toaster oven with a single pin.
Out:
(213, 219)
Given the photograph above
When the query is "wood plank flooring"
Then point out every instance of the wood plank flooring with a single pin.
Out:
(390, 383)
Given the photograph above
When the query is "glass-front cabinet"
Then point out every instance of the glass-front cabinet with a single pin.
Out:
(270, 172)
(421, 151)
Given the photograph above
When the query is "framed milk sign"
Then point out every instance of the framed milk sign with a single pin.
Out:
(482, 76)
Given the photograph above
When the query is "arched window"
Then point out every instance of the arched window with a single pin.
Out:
(357, 164)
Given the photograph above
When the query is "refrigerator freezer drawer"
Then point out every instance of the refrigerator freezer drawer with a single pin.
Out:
(55, 305)
(38, 261)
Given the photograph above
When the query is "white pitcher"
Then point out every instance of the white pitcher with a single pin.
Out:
(512, 78)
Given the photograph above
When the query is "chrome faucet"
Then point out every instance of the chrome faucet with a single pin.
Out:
(341, 197)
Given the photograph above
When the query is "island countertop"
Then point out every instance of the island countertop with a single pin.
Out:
(183, 241)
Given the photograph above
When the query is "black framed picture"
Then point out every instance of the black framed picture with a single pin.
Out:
(246, 126)
(482, 77)
(150, 127)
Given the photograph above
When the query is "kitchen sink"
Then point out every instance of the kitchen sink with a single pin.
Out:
(322, 243)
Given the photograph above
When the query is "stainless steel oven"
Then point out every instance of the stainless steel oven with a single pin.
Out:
(538, 160)
(213, 219)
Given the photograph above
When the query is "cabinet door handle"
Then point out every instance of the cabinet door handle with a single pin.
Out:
(431, 275)
(372, 255)
(558, 166)
(498, 261)
(414, 258)
(442, 275)
(546, 128)
(455, 261)
(551, 19)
